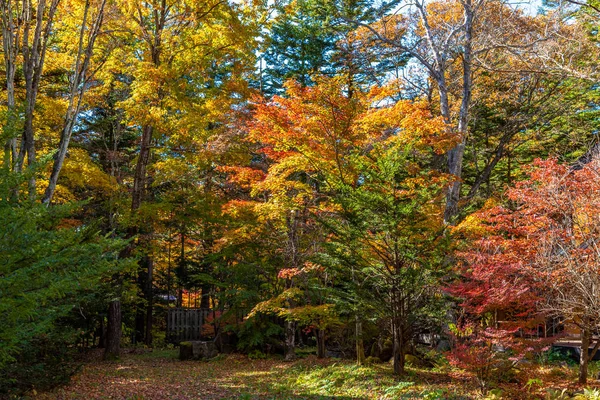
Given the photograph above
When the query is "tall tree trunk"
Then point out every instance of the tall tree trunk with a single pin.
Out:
(77, 90)
(137, 197)
(139, 179)
(290, 340)
(113, 331)
(399, 350)
(456, 154)
(34, 54)
(320, 334)
(149, 303)
(360, 346)
(398, 330)
(10, 42)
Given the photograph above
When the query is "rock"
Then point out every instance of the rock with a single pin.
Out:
(205, 350)
(412, 360)
(443, 345)
(334, 354)
(374, 352)
(186, 351)
(385, 354)
(197, 350)
(417, 361)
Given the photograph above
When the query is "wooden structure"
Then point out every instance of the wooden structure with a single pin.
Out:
(184, 324)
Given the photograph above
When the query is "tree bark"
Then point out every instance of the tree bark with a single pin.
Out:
(456, 154)
(113, 331)
(10, 42)
(34, 54)
(399, 352)
(398, 330)
(320, 334)
(290, 340)
(77, 90)
(149, 303)
(360, 346)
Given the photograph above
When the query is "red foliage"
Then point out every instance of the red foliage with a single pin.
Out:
(506, 268)
(490, 353)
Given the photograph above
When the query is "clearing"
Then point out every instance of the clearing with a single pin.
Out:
(160, 375)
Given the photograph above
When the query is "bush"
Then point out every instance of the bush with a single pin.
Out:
(487, 353)
(257, 355)
(42, 363)
(51, 265)
(555, 356)
(258, 332)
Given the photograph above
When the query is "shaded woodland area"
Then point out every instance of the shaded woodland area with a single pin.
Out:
(410, 186)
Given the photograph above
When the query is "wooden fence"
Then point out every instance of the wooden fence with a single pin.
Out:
(185, 323)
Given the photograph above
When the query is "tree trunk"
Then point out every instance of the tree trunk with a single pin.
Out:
(34, 54)
(205, 296)
(398, 351)
(149, 303)
(456, 155)
(10, 40)
(77, 90)
(360, 346)
(320, 334)
(102, 339)
(113, 331)
(584, 356)
(290, 340)
(398, 329)
(137, 196)
(139, 179)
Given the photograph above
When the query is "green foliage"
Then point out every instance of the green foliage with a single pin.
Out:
(50, 265)
(308, 40)
(256, 333)
(398, 388)
(533, 382)
(257, 355)
(555, 356)
(43, 361)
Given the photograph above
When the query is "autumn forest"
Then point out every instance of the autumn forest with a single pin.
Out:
(300, 199)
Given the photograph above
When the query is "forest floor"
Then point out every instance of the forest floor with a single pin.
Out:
(160, 375)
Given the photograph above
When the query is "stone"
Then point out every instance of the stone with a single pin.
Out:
(412, 360)
(205, 350)
(386, 351)
(197, 350)
(443, 345)
(186, 351)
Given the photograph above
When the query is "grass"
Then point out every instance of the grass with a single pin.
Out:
(159, 375)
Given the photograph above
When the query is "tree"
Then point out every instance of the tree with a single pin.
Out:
(50, 261)
(450, 41)
(538, 255)
(83, 73)
(394, 216)
(183, 61)
(366, 162)
(302, 136)
(304, 42)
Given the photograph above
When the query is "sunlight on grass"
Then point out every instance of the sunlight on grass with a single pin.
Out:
(253, 373)
(336, 379)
